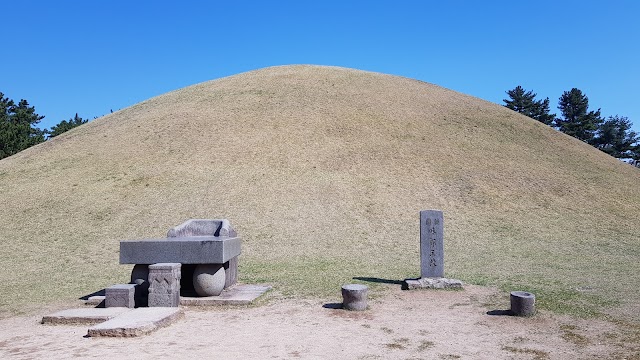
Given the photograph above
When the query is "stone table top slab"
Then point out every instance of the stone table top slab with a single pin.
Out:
(184, 250)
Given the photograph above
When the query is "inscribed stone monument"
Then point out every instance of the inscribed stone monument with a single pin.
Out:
(431, 244)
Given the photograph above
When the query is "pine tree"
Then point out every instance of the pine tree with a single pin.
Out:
(577, 120)
(65, 126)
(524, 102)
(17, 126)
(616, 138)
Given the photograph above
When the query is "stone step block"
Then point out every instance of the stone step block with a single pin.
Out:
(120, 295)
(83, 316)
(137, 322)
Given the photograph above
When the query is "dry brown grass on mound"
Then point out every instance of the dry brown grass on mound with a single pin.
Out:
(323, 171)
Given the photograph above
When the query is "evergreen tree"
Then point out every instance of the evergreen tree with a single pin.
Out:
(17, 126)
(577, 120)
(65, 126)
(616, 138)
(524, 102)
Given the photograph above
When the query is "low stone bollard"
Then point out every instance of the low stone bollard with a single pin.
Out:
(354, 297)
(523, 303)
(164, 285)
(121, 295)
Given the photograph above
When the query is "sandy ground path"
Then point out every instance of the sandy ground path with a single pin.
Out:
(400, 325)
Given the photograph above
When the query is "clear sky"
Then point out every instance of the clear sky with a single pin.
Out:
(90, 56)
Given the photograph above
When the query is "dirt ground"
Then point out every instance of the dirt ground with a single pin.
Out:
(400, 325)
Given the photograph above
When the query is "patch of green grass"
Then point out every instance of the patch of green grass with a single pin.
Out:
(562, 299)
(309, 277)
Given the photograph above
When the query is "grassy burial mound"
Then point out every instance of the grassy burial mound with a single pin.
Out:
(323, 171)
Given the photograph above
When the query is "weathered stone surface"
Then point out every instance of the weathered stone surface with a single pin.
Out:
(523, 303)
(120, 295)
(184, 250)
(231, 272)
(95, 300)
(354, 297)
(137, 322)
(431, 244)
(203, 227)
(433, 283)
(209, 279)
(242, 294)
(164, 285)
(140, 272)
(83, 316)
(140, 277)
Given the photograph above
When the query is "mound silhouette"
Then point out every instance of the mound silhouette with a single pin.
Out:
(323, 171)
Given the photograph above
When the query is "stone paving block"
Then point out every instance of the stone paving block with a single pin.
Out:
(83, 316)
(120, 295)
(136, 322)
(237, 295)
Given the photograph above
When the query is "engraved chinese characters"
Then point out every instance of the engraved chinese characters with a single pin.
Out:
(431, 244)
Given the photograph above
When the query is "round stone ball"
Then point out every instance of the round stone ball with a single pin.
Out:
(209, 279)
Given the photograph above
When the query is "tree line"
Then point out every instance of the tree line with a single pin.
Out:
(612, 135)
(18, 126)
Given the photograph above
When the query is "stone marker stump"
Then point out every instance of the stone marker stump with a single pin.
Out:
(431, 244)
(523, 303)
(121, 295)
(164, 285)
(354, 297)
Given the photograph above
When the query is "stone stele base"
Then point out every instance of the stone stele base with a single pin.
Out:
(433, 283)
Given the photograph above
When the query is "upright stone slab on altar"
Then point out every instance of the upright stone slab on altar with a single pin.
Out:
(431, 244)
(164, 285)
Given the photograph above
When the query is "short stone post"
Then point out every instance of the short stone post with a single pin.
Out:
(121, 295)
(523, 303)
(354, 297)
(164, 285)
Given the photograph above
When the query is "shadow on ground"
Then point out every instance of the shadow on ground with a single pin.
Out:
(332, 306)
(402, 283)
(500, 312)
(97, 293)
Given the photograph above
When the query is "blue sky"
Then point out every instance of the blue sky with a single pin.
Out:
(93, 56)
